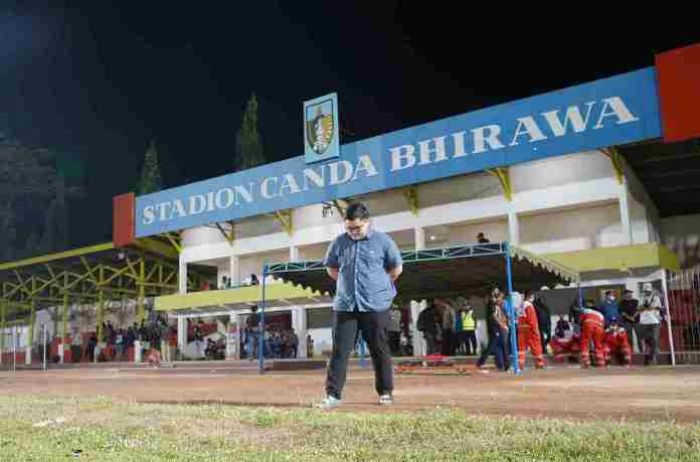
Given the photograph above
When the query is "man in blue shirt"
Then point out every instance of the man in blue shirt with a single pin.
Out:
(609, 307)
(364, 263)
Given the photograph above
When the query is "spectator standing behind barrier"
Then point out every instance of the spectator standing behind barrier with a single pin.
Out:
(92, 343)
(649, 324)
(467, 322)
(609, 307)
(77, 347)
(309, 346)
(482, 239)
(427, 324)
(253, 333)
(628, 314)
(394, 331)
(544, 321)
(448, 327)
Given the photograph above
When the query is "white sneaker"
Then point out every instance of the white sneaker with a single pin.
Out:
(329, 402)
(386, 400)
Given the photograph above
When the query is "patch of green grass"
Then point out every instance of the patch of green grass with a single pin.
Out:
(107, 430)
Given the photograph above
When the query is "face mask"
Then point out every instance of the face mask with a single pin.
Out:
(611, 298)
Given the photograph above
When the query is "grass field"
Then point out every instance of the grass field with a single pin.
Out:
(47, 429)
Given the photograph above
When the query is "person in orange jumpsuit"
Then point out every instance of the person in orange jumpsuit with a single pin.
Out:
(617, 343)
(529, 333)
(592, 330)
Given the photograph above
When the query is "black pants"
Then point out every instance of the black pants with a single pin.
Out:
(395, 343)
(648, 335)
(431, 343)
(448, 342)
(469, 342)
(373, 328)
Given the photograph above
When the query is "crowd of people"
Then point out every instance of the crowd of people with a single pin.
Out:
(117, 341)
(449, 328)
(278, 342)
(611, 327)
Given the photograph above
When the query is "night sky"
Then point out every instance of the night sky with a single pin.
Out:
(97, 83)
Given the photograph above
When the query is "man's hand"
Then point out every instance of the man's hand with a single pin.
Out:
(394, 273)
(333, 273)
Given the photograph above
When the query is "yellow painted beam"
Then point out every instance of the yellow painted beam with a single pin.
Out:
(621, 258)
(230, 236)
(250, 294)
(617, 163)
(2, 326)
(56, 256)
(156, 247)
(503, 176)
(285, 219)
(176, 245)
(140, 308)
(411, 194)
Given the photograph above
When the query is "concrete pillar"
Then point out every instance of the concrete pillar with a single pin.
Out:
(234, 270)
(419, 346)
(625, 216)
(299, 326)
(513, 226)
(419, 238)
(182, 276)
(181, 332)
(293, 253)
(233, 337)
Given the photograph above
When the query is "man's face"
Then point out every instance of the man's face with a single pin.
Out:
(357, 228)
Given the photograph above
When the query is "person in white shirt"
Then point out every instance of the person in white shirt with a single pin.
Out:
(649, 326)
(76, 347)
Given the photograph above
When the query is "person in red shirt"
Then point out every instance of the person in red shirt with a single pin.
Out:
(617, 343)
(592, 329)
(529, 333)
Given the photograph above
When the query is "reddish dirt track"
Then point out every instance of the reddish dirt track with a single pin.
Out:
(659, 393)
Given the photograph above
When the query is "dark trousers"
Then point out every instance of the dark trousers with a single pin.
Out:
(345, 329)
(448, 342)
(431, 343)
(629, 329)
(648, 335)
(469, 342)
(497, 347)
(75, 353)
(395, 343)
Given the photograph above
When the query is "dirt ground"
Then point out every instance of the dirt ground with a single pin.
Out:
(638, 393)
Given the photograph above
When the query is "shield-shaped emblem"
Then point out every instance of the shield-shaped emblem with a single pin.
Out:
(321, 134)
(319, 130)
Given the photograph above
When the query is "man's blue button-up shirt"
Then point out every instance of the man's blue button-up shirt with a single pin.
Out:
(363, 283)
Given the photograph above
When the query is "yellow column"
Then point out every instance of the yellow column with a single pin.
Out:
(100, 315)
(2, 329)
(32, 320)
(64, 323)
(140, 310)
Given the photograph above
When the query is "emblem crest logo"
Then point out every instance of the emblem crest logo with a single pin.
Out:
(321, 140)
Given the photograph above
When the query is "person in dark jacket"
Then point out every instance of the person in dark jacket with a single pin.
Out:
(497, 325)
(429, 326)
(544, 320)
